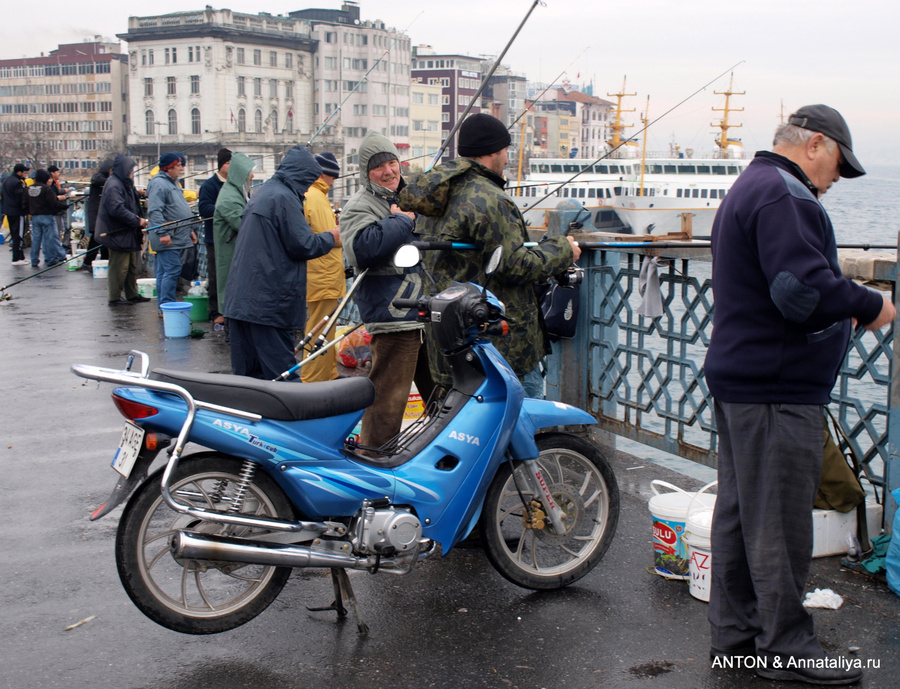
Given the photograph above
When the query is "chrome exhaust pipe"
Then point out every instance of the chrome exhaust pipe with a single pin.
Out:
(190, 545)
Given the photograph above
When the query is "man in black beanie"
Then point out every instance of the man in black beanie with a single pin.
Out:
(464, 201)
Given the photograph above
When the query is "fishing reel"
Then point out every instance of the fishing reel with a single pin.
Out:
(572, 277)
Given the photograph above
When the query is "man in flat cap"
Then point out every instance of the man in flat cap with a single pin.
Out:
(165, 205)
(464, 201)
(783, 318)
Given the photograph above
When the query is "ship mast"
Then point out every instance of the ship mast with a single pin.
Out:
(723, 142)
(645, 119)
(617, 126)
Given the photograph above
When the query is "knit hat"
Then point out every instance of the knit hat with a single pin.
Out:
(329, 164)
(167, 160)
(380, 159)
(20, 168)
(222, 157)
(481, 135)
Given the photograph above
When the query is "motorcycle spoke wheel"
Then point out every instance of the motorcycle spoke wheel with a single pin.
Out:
(535, 555)
(198, 596)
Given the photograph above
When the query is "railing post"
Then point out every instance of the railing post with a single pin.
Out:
(892, 469)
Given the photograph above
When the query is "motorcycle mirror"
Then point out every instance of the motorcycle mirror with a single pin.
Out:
(407, 256)
(494, 261)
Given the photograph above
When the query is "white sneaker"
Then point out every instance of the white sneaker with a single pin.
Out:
(21, 262)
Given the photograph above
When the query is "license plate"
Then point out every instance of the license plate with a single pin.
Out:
(129, 449)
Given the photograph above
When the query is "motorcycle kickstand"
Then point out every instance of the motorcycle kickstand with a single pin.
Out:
(343, 590)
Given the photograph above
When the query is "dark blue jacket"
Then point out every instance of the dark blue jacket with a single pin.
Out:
(267, 281)
(206, 204)
(118, 219)
(782, 306)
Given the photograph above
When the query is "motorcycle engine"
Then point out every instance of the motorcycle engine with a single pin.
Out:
(390, 531)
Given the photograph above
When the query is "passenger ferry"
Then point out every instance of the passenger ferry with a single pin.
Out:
(647, 195)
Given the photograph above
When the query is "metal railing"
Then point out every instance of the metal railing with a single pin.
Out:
(642, 378)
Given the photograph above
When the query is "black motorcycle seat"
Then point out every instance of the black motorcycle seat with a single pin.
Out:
(274, 400)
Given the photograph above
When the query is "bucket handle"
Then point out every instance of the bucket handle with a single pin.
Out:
(702, 490)
(665, 484)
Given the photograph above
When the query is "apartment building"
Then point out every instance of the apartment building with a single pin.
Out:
(425, 125)
(66, 108)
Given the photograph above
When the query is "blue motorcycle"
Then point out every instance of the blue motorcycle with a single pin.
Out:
(208, 541)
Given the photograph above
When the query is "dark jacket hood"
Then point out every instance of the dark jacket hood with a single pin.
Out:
(105, 166)
(298, 170)
(122, 167)
(41, 176)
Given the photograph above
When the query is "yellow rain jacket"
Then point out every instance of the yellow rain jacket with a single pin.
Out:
(324, 275)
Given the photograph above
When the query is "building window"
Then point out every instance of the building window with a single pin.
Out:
(170, 86)
(273, 88)
(174, 56)
(242, 86)
(195, 84)
(257, 57)
(195, 121)
(239, 56)
(148, 87)
(257, 87)
(242, 120)
(418, 97)
(433, 99)
(273, 120)
(149, 123)
(167, 56)
(173, 123)
(290, 121)
(289, 89)
(289, 60)
(257, 122)
(150, 56)
(273, 58)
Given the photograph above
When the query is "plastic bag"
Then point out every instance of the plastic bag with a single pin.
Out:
(354, 349)
(892, 559)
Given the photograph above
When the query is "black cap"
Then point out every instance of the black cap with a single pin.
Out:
(828, 121)
(53, 168)
(481, 134)
(20, 168)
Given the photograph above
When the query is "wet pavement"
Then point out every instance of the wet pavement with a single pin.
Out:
(453, 622)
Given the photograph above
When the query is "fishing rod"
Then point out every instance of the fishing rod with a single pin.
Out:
(328, 321)
(317, 353)
(186, 148)
(360, 82)
(484, 83)
(646, 126)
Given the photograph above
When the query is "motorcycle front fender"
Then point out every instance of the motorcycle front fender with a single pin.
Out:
(537, 414)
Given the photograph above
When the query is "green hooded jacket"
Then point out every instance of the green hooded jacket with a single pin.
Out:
(227, 218)
(463, 201)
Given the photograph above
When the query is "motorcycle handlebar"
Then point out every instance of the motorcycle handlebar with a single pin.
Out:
(405, 303)
(443, 246)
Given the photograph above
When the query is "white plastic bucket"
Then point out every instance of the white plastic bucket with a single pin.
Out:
(669, 512)
(72, 262)
(697, 539)
(100, 268)
(147, 287)
(176, 318)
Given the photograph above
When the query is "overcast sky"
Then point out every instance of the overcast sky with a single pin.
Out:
(790, 53)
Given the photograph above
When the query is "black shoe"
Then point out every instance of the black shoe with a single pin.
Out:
(840, 674)
(120, 302)
(139, 299)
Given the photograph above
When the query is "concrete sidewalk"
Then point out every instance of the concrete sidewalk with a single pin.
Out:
(453, 622)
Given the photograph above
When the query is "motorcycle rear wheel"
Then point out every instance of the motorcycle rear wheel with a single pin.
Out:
(584, 486)
(191, 596)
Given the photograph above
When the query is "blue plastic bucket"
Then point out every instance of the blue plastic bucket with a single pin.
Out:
(176, 318)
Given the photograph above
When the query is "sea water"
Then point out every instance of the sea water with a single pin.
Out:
(864, 210)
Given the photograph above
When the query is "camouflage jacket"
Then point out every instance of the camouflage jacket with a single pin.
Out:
(464, 201)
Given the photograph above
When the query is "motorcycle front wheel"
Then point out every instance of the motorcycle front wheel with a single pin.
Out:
(528, 551)
(193, 596)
